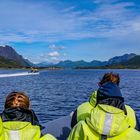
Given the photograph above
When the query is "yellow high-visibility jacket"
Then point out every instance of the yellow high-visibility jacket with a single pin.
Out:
(104, 121)
(17, 130)
(85, 109)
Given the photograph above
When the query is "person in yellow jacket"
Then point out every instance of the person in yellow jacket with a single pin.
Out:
(108, 93)
(19, 121)
(104, 123)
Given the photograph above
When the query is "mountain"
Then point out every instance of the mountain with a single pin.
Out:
(98, 63)
(44, 64)
(120, 59)
(112, 62)
(95, 63)
(66, 64)
(81, 63)
(133, 62)
(10, 54)
(6, 63)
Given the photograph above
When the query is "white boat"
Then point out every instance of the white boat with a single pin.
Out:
(18, 74)
(34, 70)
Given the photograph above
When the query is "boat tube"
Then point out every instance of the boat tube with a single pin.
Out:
(60, 128)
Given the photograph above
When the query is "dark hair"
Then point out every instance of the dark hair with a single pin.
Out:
(110, 77)
(17, 99)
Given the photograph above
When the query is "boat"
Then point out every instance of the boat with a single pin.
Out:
(34, 70)
(60, 128)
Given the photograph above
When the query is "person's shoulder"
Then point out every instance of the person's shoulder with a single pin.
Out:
(48, 137)
(129, 109)
(80, 125)
(91, 102)
(84, 104)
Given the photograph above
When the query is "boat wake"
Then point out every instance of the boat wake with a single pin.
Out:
(18, 74)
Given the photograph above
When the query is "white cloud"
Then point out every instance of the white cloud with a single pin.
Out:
(43, 22)
(40, 59)
(53, 54)
(51, 57)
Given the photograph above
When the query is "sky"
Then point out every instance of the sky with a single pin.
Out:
(57, 30)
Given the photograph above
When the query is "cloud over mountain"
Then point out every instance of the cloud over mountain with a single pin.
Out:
(53, 54)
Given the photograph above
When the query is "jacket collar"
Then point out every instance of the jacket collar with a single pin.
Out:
(19, 114)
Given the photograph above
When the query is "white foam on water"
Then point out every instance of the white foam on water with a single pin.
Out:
(18, 74)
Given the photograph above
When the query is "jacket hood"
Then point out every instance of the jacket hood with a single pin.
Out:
(107, 120)
(110, 89)
(19, 115)
(108, 94)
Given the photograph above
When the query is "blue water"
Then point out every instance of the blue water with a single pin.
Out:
(56, 93)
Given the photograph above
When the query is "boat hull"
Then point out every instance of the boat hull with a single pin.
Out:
(60, 128)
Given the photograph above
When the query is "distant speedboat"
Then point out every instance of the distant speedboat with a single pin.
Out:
(33, 70)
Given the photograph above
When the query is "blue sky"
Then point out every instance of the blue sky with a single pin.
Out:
(55, 30)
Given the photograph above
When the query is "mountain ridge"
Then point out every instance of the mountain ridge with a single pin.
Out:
(93, 63)
(9, 54)
(10, 58)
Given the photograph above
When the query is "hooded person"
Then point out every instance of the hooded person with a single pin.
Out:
(108, 93)
(105, 116)
(19, 121)
(105, 122)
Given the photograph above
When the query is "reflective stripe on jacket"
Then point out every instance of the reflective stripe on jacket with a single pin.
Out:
(104, 120)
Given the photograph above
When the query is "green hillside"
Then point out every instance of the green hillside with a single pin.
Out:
(134, 62)
(6, 63)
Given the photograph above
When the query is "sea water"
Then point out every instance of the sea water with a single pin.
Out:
(56, 93)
